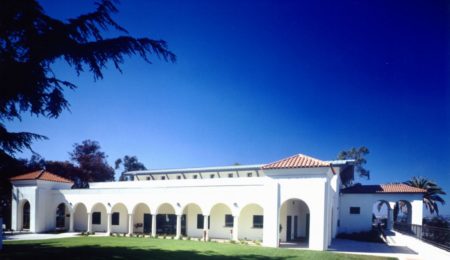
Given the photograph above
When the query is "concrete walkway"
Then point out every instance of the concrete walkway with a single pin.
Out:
(424, 250)
(367, 248)
(400, 246)
(31, 236)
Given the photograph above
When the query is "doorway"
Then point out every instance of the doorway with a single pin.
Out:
(288, 228)
(147, 223)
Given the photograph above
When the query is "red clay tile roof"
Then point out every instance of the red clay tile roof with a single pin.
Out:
(383, 188)
(40, 175)
(296, 161)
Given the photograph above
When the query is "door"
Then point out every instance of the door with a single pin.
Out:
(147, 223)
(26, 216)
(288, 228)
(183, 225)
(307, 227)
(295, 227)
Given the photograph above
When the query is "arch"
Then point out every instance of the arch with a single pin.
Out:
(24, 216)
(80, 217)
(119, 218)
(402, 212)
(221, 221)
(295, 221)
(99, 217)
(62, 217)
(165, 208)
(250, 224)
(192, 220)
(166, 220)
(381, 215)
(142, 218)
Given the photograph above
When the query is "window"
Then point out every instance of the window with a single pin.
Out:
(228, 220)
(163, 177)
(200, 221)
(249, 174)
(96, 218)
(230, 175)
(258, 221)
(195, 176)
(179, 177)
(355, 210)
(211, 176)
(61, 216)
(115, 219)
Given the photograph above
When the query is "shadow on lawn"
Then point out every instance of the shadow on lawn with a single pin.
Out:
(42, 251)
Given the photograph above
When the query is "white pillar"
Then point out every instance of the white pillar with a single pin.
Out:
(71, 220)
(89, 222)
(235, 228)
(390, 220)
(109, 221)
(205, 227)
(153, 225)
(178, 235)
(130, 224)
(416, 211)
(271, 231)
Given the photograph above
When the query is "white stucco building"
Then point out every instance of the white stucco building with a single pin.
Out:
(297, 199)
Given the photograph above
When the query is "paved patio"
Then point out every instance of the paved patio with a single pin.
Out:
(401, 246)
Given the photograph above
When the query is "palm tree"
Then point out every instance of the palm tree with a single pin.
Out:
(431, 197)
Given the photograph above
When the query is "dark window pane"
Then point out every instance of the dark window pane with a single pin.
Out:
(115, 219)
(199, 221)
(355, 210)
(258, 221)
(96, 218)
(228, 220)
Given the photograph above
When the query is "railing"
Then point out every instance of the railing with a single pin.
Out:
(439, 237)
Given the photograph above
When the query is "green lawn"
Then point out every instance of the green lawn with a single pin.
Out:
(146, 248)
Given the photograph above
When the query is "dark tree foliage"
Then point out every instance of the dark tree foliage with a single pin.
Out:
(30, 43)
(9, 168)
(357, 154)
(92, 162)
(130, 163)
(67, 170)
(433, 191)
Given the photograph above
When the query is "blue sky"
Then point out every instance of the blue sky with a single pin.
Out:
(257, 81)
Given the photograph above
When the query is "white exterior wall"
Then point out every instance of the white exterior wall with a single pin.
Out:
(191, 212)
(217, 222)
(123, 219)
(350, 223)
(316, 188)
(103, 226)
(245, 228)
(80, 218)
(265, 193)
(19, 196)
(310, 186)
